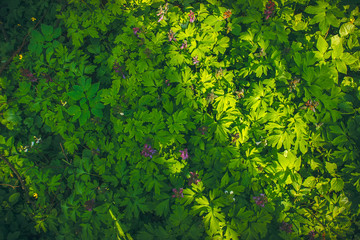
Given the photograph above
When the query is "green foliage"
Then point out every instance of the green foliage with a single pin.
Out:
(180, 120)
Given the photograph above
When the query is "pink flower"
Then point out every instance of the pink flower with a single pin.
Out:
(184, 154)
(184, 45)
(260, 200)
(195, 60)
(192, 16)
(178, 194)
(136, 30)
(193, 178)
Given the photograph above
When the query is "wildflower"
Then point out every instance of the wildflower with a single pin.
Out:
(286, 227)
(33, 19)
(35, 195)
(171, 35)
(167, 82)
(162, 11)
(184, 154)
(148, 151)
(193, 178)
(29, 75)
(293, 83)
(270, 9)
(227, 14)
(240, 94)
(89, 205)
(20, 56)
(311, 235)
(235, 137)
(195, 60)
(184, 45)
(135, 31)
(192, 16)
(178, 194)
(310, 105)
(63, 103)
(118, 69)
(260, 200)
(219, 73)
(202, 130)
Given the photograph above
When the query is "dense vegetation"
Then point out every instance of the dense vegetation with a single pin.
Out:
(187, 119)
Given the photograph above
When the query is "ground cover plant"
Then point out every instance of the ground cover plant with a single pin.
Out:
(180, 119)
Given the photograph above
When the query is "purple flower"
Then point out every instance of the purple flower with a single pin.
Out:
(167, 82)
(192, 16)
(178, 194)
(89, 205)
(260, 200)
(286, 227)
(184, 45)
(148, 151)
(193, 178)
(195, 60)
(184, 154)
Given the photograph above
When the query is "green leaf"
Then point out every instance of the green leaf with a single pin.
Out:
(14, 198)
(93, 90)
(85, 115)
(331, 167)
(37, 37)
(49, 53)
(47, 31)
(346, 29)
(97, 110)
(74, 111)
(310, 182)
(162, 209)
(341, 66)
(337, 184)
(77, 94)
(322, 45)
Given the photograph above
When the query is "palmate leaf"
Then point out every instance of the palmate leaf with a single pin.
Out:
(213, 219)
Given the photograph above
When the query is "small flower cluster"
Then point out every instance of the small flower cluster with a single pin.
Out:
(231, 194)
(89, 205)
(260, 200)
(202, 130)
(193, 178)
(167, 82)
(162, 11)
(148, 151)
(26, 148)
(286, 227)
(136, 31)
(117, 69)
(29, 75)
(270, 9)
(184, 154)
(178, 194)
(192, 16)
(311, 235)
(310, 104)
(227, 14)
(195, 60)
(293, 83)
(171, 36)
(184, 45)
